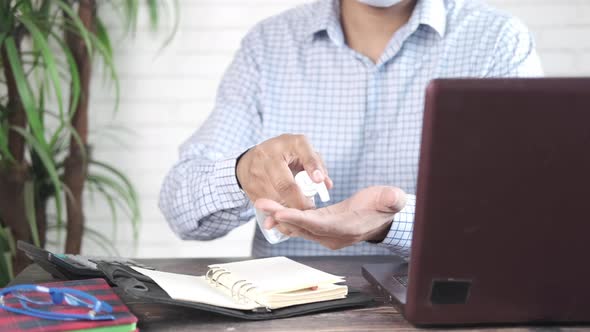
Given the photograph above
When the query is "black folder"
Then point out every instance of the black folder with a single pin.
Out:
(139, 286)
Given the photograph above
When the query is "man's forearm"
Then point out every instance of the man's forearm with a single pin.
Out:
(201, 199)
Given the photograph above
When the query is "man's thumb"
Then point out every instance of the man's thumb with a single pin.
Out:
(391, 200)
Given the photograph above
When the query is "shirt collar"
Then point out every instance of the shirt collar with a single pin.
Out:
(432, 13)
(327, 19)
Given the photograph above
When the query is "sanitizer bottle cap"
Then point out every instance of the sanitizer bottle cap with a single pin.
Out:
(310, 188)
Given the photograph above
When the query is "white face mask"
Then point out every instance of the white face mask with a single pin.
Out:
(380, 3)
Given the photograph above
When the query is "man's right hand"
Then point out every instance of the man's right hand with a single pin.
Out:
(267, 170)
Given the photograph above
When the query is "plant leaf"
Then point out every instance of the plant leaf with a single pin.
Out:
(7, 251)
(59, 222)
(47, 56)
(4, 151)
(102, 240)
(153, 8)
(103, 35)
(131, 7)
(44, 155)
(75, 89)
(168, 40)
(6, 236)
(25, 93)
(118, 174)
(29, 196)
(110, 66)
(6, 268)
(127, 196)
(3, 35)
(111, 202)
(117, 202)
(121, 190)
(77, 22)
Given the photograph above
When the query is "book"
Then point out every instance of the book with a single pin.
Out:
(266, 283)
(124, 320)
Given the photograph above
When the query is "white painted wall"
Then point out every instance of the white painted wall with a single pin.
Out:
(167, 95)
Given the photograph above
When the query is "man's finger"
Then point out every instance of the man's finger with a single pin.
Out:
(310, 160)
(268, 205)
(284, 184)
(311, 220)
(327, 180)
(269, 222)
(391, 200)
(293, 230)
(284, 229)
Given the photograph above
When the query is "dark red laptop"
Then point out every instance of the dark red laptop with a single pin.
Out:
(502, 229)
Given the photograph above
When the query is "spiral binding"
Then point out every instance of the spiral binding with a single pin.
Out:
(238, 289)
(214, 273)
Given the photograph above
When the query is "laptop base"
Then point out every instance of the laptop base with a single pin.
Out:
(383, 277)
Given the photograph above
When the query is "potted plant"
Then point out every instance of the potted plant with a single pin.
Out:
(47, 48)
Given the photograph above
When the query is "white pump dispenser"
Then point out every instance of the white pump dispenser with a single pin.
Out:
(309, 189)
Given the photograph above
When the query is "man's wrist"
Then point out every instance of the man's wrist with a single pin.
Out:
(226, 182)
(381, 234)
(236, 168)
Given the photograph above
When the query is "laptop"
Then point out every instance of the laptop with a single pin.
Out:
(502, 225)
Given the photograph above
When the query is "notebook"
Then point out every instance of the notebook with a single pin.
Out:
(124, 321)
(269, 283)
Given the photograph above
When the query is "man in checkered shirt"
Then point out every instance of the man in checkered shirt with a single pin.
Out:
(344, 80)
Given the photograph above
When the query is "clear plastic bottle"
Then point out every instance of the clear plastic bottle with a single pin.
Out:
(309, 189)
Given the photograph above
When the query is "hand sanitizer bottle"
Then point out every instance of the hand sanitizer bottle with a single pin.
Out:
(309, 189)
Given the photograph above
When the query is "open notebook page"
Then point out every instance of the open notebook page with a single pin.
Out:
(193, 288)
(276, 275)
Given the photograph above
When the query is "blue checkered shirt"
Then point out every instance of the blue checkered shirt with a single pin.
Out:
(294, 73)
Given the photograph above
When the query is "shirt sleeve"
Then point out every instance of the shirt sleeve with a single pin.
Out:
(399, 237)
(200, 197)
(514, 54)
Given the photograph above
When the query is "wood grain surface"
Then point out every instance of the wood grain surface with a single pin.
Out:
(381, 317)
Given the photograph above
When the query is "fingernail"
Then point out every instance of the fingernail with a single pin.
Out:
(318, 176)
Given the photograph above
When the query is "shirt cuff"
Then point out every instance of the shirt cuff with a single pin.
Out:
(399, 237)
(228, 191)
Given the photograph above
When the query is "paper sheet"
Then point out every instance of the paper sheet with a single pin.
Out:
(193, 288)
(277, 274)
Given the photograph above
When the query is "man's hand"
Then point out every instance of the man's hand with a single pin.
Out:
(267, 170)
(366, 216)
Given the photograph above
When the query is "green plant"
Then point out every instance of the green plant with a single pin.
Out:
(47, 48)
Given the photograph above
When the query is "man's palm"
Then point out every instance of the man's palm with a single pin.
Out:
(366, 216)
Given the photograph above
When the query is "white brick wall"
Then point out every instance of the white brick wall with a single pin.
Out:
(167, 95)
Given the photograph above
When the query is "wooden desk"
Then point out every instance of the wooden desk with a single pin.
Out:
(158, 317)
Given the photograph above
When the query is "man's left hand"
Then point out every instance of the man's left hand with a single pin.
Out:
(366, 216)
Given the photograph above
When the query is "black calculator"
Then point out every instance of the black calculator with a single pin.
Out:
(70, 267)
